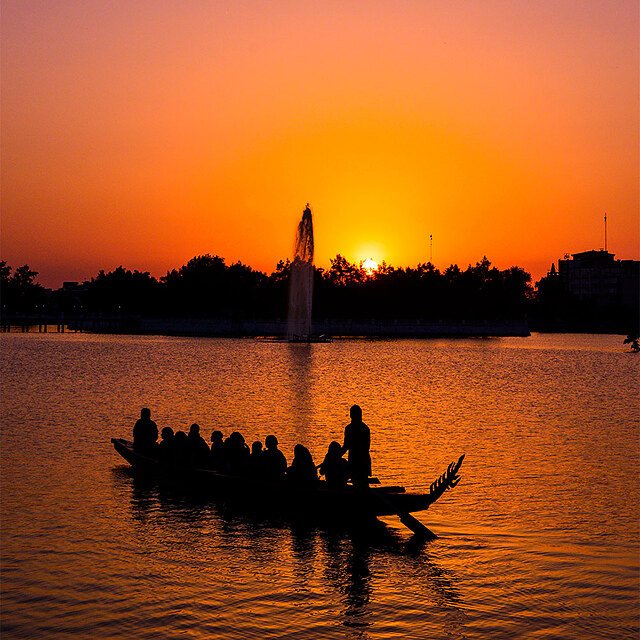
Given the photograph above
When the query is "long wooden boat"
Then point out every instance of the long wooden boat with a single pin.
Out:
(285, 496)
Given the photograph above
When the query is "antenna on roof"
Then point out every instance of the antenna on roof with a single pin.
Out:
(431, 249)
(605, 230)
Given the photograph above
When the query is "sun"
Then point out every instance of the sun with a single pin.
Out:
(370, 266)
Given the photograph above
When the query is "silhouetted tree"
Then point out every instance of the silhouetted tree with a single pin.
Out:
(277, 290)
(122, 291)
(550, 297)
(205, 286)
(20, 292)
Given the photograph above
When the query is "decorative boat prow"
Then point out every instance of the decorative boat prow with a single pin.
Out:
(447, 480)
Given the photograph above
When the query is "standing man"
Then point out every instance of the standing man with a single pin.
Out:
(145, 433)
(357, 440)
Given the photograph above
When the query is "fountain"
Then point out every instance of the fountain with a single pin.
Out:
(301, 282)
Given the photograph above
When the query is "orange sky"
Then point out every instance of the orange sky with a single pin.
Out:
(143, 133)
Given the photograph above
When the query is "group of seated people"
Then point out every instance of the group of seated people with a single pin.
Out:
(233, 456)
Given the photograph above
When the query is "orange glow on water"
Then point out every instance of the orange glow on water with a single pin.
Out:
(146, 137)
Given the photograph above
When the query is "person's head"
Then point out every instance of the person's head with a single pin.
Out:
(356, 413)
(167, 433)
(271, 442)
(145, 413)
(256, 447)
(335, 450)
(217, 437)
(300, 452)
(180, 436)
(194, 430)
(237, 438)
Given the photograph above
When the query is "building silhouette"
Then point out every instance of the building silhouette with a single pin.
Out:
(596, 276)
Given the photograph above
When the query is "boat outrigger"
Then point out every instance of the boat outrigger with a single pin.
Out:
(378, 500)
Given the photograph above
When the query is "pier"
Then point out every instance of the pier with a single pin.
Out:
(59, 323)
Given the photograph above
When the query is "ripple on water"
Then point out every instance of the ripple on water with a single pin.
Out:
(539, 540)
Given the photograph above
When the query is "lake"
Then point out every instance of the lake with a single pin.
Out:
(540, 538)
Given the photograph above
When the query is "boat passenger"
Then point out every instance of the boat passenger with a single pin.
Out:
(145, 433)
(199, 453)
(256, 460)
(217, 451)
(166, 445)
(236, 454)
(334, 467)
(302, 471)
(357, 440)
(275, 464)
(181, 449)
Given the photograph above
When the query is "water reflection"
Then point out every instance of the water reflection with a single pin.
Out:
(352, 568)
(300, 358)
(348, 572)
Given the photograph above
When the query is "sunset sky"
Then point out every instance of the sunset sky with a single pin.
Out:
(144, 133)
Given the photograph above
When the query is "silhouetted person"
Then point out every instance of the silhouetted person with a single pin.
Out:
(275, 464)
(145, 433)
(357, 440)
(181, 449)
(166, 445)
(256, 460)
(334, 467)
(302, 471)
(217, 451)
(199, 453)
(236, 454)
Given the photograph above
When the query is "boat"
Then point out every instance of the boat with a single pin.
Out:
(283, 496)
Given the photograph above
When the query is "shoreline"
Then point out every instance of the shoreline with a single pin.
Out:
(277, 329)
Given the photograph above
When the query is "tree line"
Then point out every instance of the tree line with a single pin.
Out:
(206, 286)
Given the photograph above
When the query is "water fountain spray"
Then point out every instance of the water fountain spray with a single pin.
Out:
(301, 281)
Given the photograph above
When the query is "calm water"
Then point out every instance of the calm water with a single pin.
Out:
(539, 540)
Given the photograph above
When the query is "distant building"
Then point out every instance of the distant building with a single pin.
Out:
(598, 277)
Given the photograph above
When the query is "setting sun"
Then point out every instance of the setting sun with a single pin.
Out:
(370, 266)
